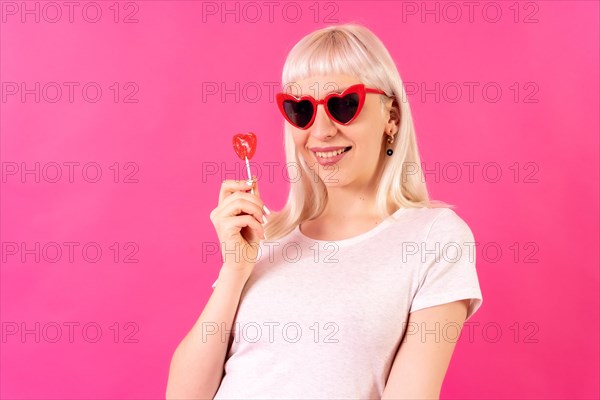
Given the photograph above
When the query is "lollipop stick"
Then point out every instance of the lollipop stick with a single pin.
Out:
(249, 173)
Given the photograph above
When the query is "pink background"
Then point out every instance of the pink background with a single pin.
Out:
(545, 313)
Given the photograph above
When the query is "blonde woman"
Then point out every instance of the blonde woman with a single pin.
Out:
(364, 283)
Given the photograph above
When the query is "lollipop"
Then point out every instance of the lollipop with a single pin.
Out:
(244, 145)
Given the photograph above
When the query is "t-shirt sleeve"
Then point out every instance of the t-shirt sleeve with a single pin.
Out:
(447, 271)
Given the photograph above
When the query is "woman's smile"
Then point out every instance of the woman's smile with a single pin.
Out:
(331, 156)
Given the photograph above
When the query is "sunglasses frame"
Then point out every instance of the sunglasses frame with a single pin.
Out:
(359, 89)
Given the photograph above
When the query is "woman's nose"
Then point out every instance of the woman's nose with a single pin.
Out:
(322, 126)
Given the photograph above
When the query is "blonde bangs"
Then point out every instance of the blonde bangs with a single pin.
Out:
(328, 53)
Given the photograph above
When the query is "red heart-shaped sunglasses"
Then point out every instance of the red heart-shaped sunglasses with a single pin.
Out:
(343, 107)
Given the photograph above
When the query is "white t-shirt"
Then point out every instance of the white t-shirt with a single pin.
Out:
(324, 319)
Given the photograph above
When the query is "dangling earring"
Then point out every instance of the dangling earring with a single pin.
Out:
(390, 140)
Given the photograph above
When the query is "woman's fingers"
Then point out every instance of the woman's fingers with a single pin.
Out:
(228, 187)
(257, 193)
(242, 221)
(235, 198)
(243, 203)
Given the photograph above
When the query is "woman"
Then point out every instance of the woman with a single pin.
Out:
(364, 284)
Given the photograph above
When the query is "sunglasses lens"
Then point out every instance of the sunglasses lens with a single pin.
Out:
(299, 112)
(343, 108)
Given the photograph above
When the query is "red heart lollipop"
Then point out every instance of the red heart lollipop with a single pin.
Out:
(244, 145)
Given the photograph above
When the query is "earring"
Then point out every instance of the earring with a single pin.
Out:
(390, 140)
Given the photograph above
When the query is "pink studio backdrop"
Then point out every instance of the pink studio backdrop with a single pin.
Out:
(149, 96)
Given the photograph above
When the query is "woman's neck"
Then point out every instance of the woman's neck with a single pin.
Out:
(346, 202)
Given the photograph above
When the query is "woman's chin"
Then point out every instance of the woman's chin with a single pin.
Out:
(331, 177)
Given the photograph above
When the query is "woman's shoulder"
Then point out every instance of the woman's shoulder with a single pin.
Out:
(426, 214)
(448, 223)
(434, 220)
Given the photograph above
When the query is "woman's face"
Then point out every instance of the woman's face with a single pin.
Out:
(364, 135)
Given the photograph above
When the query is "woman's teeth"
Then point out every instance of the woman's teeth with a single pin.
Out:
(329, 154)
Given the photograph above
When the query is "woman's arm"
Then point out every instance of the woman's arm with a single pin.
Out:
(425, 352)
(196, 367)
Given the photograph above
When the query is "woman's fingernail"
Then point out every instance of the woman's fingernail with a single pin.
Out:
(264, 219)
(266, 209)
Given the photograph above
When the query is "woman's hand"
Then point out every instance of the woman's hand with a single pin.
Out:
(238, 220)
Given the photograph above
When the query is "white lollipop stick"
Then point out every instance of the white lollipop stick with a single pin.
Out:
(249, 173)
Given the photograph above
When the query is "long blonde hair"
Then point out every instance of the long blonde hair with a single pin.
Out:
(351, 49)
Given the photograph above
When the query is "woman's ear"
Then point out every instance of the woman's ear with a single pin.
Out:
(392, 114)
